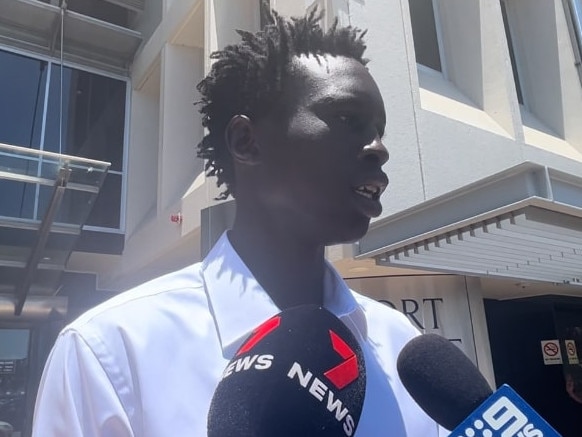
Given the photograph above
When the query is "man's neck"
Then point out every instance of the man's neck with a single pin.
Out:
(289, 270)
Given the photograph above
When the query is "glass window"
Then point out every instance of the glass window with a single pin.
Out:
(93, 116)
(574, 17)
(511, 52)
(92, 125)
(106, 211)
(22, 92)
(17, 199)
(13, 344)
(575, 7)
(424, 32)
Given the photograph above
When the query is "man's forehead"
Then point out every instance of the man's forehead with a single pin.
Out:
(326, 65)
(332, 75)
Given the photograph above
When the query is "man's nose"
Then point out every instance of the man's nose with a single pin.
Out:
(375, 151)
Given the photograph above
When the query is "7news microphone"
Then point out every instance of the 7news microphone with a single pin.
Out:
(300, 373)
(452, 391)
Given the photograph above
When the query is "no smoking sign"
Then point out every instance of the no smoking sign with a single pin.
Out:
(551, 352)
(571, 352)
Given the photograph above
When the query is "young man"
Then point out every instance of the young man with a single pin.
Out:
(295, 125)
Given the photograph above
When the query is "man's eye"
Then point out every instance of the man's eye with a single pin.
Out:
(351, 120)
(345, 118)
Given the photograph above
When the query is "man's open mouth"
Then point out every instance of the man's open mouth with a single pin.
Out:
(370, 191)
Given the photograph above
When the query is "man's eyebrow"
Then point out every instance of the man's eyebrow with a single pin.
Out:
(344, 98)
(360, 99)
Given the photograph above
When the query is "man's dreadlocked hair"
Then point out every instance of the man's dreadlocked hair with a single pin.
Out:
(248, 77)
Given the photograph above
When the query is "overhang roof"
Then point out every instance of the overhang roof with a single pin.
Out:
(34, 25)
(35, 245)
(523, 223)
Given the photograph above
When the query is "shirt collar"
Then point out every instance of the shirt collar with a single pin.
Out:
(239, 303)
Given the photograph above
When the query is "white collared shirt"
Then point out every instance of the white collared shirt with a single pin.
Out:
(146, 362)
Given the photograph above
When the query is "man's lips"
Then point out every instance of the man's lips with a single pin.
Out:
(372, 189)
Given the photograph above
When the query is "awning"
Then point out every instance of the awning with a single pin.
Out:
(523, 223)
(36, 26)
(46, 199)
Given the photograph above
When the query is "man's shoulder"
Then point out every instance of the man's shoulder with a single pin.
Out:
(174, 295)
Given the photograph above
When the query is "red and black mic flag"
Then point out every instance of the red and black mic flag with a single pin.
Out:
(300, 373)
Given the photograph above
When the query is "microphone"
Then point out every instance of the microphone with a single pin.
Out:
(300, 373)
(452, 391)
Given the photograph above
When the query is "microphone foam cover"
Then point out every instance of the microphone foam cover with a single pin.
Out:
(301, 373)
(441, 379)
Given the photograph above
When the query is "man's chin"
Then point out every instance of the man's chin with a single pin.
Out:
(352, 233)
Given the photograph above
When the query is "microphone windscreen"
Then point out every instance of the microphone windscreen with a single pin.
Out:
(301, 373)
(441, 379)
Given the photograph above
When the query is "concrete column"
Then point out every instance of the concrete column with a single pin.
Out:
(222, 19)
(180, 127)
(142, 176)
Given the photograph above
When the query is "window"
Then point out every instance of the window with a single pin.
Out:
(93, 126)
(511, 52)
(22, 95)
(574, 19)
(424, 33)
(575, 11)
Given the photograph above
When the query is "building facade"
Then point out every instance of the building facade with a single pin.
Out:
(481, 234)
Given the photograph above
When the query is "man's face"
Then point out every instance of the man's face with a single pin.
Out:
(320, 167)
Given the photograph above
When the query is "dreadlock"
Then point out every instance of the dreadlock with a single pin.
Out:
(248, 77)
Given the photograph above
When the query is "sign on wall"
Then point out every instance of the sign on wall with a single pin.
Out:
(571, 352)
(436, 304)
(551, 352)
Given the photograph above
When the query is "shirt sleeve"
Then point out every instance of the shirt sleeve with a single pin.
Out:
(76, 397)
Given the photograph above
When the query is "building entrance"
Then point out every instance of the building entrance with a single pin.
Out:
(550, 378)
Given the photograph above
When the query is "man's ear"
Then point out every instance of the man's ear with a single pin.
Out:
(241, 140)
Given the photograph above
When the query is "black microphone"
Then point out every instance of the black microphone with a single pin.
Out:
(300, 373)
(452, 391)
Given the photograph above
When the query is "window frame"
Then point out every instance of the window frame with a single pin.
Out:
(573, 11)
(439, 41)
(515, 55)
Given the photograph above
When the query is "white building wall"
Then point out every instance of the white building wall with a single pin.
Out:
(394, 68)
(446, 130)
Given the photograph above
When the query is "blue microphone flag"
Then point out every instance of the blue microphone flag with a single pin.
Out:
(504, 414)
